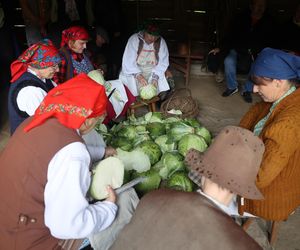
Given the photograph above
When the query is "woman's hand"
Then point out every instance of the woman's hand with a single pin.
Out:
(141, 80)
(112, 197)
(214, 51)
(155, 83)
(109, 151)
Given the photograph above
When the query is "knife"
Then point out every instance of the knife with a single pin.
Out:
(130, 184)
(110, 94)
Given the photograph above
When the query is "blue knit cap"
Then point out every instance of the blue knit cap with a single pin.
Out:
(276, 64)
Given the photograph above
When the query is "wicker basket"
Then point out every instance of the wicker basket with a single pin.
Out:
(182, 100)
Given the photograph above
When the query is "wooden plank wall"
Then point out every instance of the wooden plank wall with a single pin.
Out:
(202, 21)
(179, 20)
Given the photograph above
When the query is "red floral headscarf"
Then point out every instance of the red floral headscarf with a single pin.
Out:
(73, 33)
(40, 55)
(71, 103)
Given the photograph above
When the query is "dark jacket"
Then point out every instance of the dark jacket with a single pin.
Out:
(289, 37)
(16, 116)
(245, 35)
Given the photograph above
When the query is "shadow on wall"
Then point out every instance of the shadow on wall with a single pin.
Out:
(7, 55)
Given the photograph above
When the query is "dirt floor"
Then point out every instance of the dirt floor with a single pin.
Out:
(215, 113)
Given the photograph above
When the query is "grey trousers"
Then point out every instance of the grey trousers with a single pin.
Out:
(127, 202)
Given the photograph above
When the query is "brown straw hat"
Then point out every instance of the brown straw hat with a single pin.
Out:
(232, 161)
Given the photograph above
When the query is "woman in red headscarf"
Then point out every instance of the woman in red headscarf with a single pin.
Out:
(74, 58)
(75, 61)
(49, 179)
(31, 74)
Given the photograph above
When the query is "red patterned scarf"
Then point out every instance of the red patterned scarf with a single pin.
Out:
(72, 103)
(40, 55)
(73, 33)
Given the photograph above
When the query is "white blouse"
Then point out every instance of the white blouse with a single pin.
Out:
(129, 63)
(68, 215)
(30, 97)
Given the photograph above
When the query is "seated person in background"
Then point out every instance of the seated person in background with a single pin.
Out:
(72, 51)
(107, 53)
(46, 168)
(289, 39)
(251, 31)
(76, 61)
(99, 49)
(31, 80)
(201, 221)
(145, 60)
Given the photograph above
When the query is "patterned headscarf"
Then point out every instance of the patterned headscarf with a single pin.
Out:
(276, 64)
(71, 103)
(40, 55)
(73, 33)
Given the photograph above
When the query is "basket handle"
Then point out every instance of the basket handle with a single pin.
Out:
(175, 93)
(187, 90)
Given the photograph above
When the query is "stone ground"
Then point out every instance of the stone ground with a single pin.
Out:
(215, 113)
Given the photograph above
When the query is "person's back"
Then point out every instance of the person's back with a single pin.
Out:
(22, 214)
(289, 38)
(249, 32)
(169, 220)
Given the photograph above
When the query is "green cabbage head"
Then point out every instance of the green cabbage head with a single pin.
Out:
(152, 181)
(191, 141)
(170, 162)
(151, 149)
(180, 181)
(97, 76)
(164, 146)
(156, 129)
(147, 92)
(128, 132)
(202, 131)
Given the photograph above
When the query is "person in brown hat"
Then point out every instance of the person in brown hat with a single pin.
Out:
(172, 219)
(228, 167)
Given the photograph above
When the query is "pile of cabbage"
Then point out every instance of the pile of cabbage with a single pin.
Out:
(155, 147)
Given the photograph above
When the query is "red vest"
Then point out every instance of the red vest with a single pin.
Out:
(23, 176)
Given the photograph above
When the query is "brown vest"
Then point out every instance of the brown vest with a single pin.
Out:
(171, 220)
(23, 176)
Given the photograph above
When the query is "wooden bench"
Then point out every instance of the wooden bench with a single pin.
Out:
(151, 104)
(182, 62)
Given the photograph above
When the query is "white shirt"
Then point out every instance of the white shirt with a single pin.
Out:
(129, 63)
(30, 97)
(68, 214)
(130, 66)
(231, 209)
